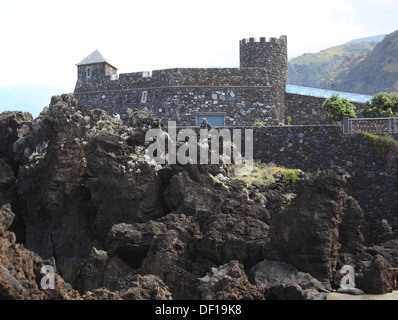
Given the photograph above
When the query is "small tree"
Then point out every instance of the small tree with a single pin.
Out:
(381, 105)
(338, 108)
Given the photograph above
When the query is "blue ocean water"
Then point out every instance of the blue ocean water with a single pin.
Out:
(323, 93)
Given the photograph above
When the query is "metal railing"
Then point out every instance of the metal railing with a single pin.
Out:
(375, 125)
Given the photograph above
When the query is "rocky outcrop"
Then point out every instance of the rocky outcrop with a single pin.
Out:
(229, 282)
(83, 179)
(282, 281)
(321, 221)
(21, 270)
(13, 125)
(78, 193)
(147, 287)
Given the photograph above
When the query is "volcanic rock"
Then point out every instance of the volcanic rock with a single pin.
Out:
(79, 193)
(83, 179)
(284, 282)
(321, 221)
(229, 282)
(21, 270)
(147, 287)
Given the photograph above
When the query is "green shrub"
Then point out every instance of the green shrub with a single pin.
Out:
(381, 105)
(264, 174)
(338, 108)
(289, 174)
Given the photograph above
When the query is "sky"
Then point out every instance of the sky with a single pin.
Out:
(42, 40)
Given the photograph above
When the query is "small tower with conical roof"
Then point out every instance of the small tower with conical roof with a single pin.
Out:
(93, 71)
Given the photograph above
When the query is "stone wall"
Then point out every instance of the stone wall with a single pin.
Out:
(238, 104)
(307, 110)
(255, 91)
(248, 77)
(310, 148)
(100, 76)
(313, 148)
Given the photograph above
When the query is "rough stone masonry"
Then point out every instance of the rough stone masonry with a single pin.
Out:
(235, 96)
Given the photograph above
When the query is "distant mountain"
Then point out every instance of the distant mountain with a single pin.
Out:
(32, 97)
(365, 67)
(378, 38)
(313, 69)
(376, 72)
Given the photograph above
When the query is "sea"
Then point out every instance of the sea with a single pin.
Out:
(323, 93)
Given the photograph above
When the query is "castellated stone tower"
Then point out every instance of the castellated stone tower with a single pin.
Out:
(224, 96)
(271, 55)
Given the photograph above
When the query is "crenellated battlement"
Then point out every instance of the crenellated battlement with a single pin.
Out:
(255, 90)
(281, 40)
(258, 52)
(272, 56)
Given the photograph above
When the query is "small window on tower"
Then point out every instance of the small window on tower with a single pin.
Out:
(89, 72)
(144, 96)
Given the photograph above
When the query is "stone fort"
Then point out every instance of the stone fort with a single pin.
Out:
(225, 96)
(239, 96)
